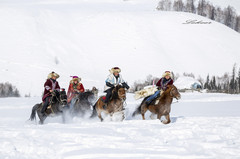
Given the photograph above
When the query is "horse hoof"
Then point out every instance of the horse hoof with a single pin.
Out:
(165, 122)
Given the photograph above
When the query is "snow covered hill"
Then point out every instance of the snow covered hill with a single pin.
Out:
(87, 38)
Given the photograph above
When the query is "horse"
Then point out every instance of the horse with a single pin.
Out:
(115, 104)
(162, 106)
(56, 107)
(84, 102)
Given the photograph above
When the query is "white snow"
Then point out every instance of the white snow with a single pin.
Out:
(87, 38)
(203, 126)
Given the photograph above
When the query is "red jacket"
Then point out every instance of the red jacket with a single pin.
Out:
(50, 85)
(163, 82)
(72, 89)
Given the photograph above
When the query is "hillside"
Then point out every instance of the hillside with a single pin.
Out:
(87, 38)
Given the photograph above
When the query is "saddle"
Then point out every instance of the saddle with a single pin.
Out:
(103, 98)
(49, 107)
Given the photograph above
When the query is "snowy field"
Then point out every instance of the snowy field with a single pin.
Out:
(203, 126)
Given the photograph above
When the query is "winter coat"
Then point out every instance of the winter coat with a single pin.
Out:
(73, 89)
(163, 82)
(112, 81)
(50, 84)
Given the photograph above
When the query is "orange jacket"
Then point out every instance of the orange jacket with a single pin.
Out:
(72, 89)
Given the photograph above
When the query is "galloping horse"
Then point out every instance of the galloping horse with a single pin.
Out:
(113, 106)
(84, 102)
(57, 103)
(163, 107)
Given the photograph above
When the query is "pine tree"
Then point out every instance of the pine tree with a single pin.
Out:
(239, 80)
(164, 5)
(201, 8)
(206, 85)
(237, 24)
(190, 7)
(178, 6)
(214, 86)
(229, 16)
(232, 84)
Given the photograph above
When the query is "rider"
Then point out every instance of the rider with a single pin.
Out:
(50, 86)
(112, 81)
(74, 88)
(162, 86)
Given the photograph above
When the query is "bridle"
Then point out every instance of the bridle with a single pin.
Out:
(171, 94)
(122, 97)
(59, 99)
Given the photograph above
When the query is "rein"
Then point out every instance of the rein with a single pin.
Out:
(172, 96)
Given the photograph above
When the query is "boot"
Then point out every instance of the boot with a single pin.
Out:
(105, 104)
(44, 107)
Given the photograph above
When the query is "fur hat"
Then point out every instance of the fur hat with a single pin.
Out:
(50, 75)
(115, 69)
(167, 73)
(75, 78)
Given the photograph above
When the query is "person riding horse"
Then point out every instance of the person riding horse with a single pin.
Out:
(112, 81)
(50, 86)
(75, 87)
(162, 86)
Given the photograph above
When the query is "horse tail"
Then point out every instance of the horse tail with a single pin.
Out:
(94, 112)
(34, 110)
(138, 110)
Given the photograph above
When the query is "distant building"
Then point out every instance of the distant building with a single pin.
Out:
(184, 83)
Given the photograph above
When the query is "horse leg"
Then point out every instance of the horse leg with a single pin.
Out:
(99, 115)
(123, 116)
(159, 116)
(152, 116)
(41, 116)
(111, 115)
(167, 121)
(143, 111)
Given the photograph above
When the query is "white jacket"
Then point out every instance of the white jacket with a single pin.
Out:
(112, 79)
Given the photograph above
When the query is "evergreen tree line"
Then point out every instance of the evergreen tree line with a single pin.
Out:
(8, 90)
(226, 16)
(224, 84)
(228, 83)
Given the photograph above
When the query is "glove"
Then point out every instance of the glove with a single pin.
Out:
(125, 85)
(110, 85)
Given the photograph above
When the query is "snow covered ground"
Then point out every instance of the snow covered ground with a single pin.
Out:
(203, 126)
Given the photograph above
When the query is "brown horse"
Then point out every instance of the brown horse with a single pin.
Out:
(162, 106)
(113, 106)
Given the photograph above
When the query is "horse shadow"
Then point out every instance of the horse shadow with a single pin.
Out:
(174, 119)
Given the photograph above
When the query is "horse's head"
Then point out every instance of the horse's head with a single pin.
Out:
(95, 92)
(173, 91)
(120, 92)
(63, 97)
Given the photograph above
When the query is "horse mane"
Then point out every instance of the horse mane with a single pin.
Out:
(166, 93)
(84, 95)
